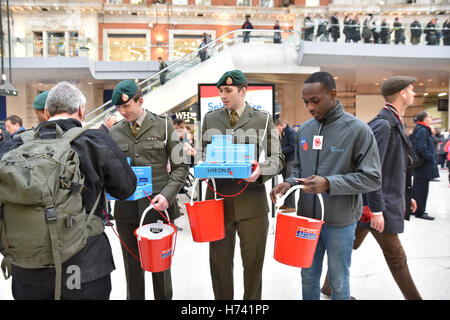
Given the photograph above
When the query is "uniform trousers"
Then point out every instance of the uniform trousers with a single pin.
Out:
(135, 275)
(252, 234)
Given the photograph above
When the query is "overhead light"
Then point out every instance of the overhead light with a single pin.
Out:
(335, 78)
(429, 80)
(442, 94)
(425, 94)
(421, 84)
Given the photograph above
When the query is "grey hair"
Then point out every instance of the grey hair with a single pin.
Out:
(64, 98)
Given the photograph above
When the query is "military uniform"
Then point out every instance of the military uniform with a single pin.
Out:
(246, 213)
(153, 146)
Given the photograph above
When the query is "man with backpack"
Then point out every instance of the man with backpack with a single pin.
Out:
(51, 229)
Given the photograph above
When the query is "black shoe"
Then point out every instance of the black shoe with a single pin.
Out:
(179, 228)
(424, 216)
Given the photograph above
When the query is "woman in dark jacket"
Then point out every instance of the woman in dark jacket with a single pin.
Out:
(423, 143)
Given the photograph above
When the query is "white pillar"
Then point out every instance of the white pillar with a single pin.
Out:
(66, 43)
(45, 43)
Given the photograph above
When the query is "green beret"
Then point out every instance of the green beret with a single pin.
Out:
(123, 92)
(39, 102)
(396, 84)
(232, 78)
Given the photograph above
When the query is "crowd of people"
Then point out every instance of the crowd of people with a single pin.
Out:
(355, 184)
(371, 28)
(375, 29)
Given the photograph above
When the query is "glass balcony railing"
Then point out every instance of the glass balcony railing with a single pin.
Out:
(70, 44)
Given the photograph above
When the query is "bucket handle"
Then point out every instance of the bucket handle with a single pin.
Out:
(280, 201)
(150, 207)
(195, 185)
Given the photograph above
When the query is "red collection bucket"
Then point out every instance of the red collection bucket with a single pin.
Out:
(156, 243)
(206, 218)
(296, 237)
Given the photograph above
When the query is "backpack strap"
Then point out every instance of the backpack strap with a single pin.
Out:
(73, 133)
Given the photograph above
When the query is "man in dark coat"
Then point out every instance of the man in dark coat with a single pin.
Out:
(104, 167)
(288, 138)
(334, 28)
(388, 202)
(432, 35)
(416, 31)
(247, 25)
(423, 143)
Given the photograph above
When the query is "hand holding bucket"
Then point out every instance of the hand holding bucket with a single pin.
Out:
(156, 243)
(295, 236)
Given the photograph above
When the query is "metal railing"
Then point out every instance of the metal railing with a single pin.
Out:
(178, 67)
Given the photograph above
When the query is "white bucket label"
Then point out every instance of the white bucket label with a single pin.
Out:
(306, 233)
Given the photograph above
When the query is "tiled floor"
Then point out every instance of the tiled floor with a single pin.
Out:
(427, 245)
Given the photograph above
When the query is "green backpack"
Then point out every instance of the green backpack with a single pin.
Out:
(42, 218)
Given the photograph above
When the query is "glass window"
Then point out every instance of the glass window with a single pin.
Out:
(312, 3)
(267, 3)
(38, 44)
(56, 45)
(137, 1)
(180, 2)
(244, 3)
(203, 2)
(184, 44)
(127, 47)
(114, 1)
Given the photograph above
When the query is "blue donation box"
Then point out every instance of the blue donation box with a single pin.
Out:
(144, 183)
(226, 160)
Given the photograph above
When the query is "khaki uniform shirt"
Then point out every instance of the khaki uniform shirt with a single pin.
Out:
(153, 146)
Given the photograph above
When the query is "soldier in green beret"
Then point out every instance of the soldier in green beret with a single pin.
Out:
(246, 213)
(148, 140)
(39, 106)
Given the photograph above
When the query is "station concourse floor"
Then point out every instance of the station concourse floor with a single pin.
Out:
(427, 246)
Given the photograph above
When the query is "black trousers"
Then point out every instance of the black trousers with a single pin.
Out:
(99, 289)
(420, 194)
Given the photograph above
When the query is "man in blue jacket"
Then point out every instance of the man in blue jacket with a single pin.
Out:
(337, 156)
